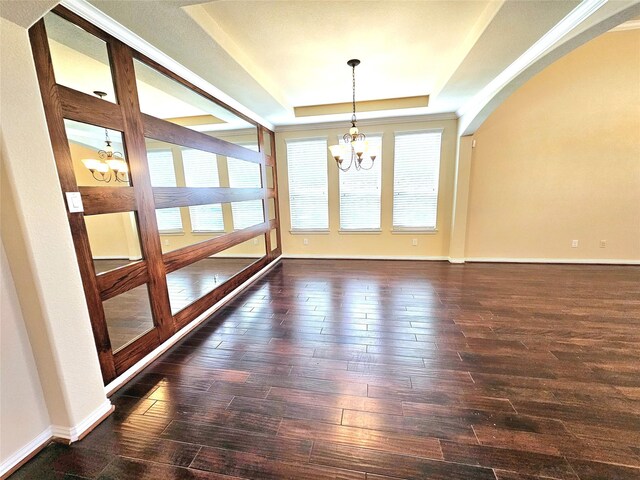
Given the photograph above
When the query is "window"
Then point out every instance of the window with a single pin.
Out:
(163, 174)
(415, 180)
(201, 170)
(360, 193)
(308, 196)
(244, 174)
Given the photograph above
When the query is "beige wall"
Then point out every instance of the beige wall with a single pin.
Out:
(37, 240)
(20, 389)
(385, 243)
(560, 160)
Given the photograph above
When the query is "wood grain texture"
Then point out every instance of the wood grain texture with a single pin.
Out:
(123, 279)
(61, 102)
(101, 200)
(85, 108)
(264, 388)
(126, 91)
(171, 133)
(64, 164)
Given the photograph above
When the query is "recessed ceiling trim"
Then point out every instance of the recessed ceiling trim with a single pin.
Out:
(109, 25)
(419, 101)
(433, 117)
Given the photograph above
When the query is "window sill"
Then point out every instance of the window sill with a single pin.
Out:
(171, 232)
(322, 231)
(415, 231)
(368, 231)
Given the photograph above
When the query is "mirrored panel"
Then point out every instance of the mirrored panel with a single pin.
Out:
(98, 155)
(270, 182)
(185, 226)
(274, 239)
(196, 280)
(114, 240)
(128, 316)
(167, 99)
(80, 60)
(272, 208)
(267, 143)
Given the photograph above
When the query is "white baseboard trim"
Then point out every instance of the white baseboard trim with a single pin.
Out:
(144, 362)
(363, 257)
(25, 452)
(73, 434)
(576, 261)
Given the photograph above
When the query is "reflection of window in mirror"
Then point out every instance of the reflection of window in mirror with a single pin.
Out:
(201, 170)
(163, 174)
(244, 174)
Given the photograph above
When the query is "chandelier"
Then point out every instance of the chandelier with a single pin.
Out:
(111, 165)
(354, 149)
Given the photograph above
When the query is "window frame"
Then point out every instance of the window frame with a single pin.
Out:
(308, 231)
(378, 160)
(399, 230)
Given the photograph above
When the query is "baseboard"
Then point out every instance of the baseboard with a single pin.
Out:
(363, 257)
(26, 453)
(144, 362)
(77, 432)
(571, 261)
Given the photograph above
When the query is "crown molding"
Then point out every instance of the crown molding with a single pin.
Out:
(432, 117)
(472, 109)
(630, 25)
(119, 31)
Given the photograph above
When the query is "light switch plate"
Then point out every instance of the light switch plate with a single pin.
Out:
(74, 202)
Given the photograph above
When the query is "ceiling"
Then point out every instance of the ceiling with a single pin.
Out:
(274, 55)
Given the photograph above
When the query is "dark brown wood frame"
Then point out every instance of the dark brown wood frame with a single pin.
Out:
(62, 103)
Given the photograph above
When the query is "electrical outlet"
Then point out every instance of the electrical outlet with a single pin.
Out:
(574, 243)
(255, 241)
(414, 242)
(603, 244)
(166, 242)
(305, 241)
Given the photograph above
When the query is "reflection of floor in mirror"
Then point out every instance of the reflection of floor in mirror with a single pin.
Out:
(129, 314)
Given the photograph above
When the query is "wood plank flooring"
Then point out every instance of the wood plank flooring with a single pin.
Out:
(384, 370)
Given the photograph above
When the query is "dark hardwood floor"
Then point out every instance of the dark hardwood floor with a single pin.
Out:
(385, 370)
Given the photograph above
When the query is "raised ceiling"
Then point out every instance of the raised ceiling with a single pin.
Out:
(273, 56)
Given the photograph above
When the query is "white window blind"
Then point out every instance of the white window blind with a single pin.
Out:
(243, 174)
(163, 174)
(201, 170)
(308, 196)
(360, 193)
(416, 173)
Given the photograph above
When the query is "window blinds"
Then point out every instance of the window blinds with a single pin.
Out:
(201, 170)
(360, 193)
(308, 196)
(163, 174)
(415, 180)
(243, 174)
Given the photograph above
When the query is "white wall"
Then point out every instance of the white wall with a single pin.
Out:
(23, 412)
(39, 248)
